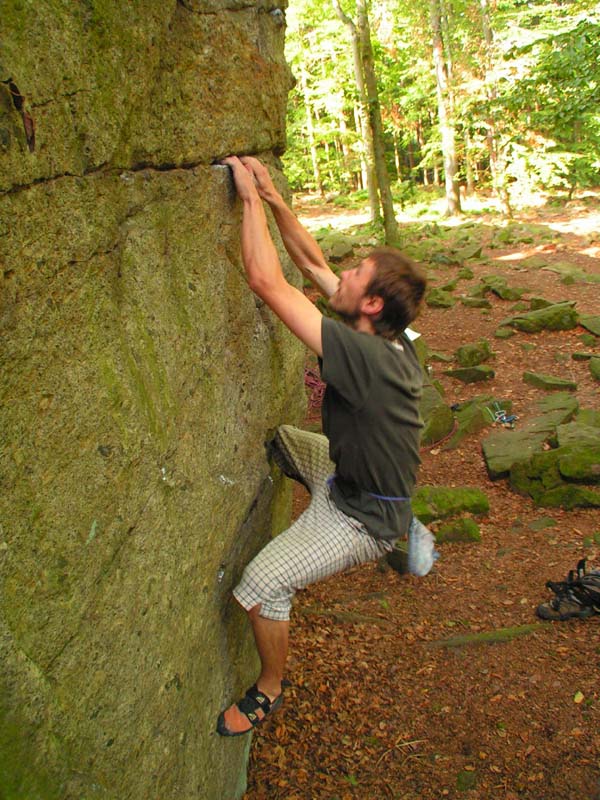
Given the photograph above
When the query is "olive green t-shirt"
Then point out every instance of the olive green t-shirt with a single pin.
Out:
(371, 418)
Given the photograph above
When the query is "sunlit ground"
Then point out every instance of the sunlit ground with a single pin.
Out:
(580, 217)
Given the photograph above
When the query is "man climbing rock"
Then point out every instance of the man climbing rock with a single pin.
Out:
(362, 472)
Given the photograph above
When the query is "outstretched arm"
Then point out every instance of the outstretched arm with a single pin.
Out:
(263, 268)
(302, 248)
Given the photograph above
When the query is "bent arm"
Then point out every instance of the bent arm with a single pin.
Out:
(263, 268)
(300, 245)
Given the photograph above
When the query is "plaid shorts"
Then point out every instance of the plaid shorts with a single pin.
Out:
(322, 541)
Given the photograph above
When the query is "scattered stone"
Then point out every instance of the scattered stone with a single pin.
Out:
(503, 333)
(437, 356)
(591, 323)
(439, 502)
(528, 347)
(470, 355)
(459, 530)
(475, 415)
(557, 317)
(472, 251)
(478, 291)
(471, 374)
(588, 339)
(578, 355)
(475, 302)
(466, 273)
(498, 285)
(582, 464)
(578, 432)
(571, 273)
(534, 262)
(520, 306)
(548, 382)
(337, 246)
(535, 303)
(450, 286)
(595, 367)
(502, 449)
(542, 477)
(438, 298)
(436, 414)
(588, 416)
(542, 523)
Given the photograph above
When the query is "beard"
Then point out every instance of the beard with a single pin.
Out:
(349, 316)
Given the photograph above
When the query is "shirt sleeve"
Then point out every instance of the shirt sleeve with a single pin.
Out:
(346, 363)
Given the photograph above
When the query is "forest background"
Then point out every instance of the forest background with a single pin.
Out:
(394, 99)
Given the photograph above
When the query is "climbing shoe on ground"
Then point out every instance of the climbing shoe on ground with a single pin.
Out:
(562, 608)
(576, 597)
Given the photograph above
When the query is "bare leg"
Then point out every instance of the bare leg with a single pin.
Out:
(271, 637)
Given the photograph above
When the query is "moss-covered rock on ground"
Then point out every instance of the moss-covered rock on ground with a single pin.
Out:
(471, 374)
(557, 317)
(471, 355)
(464, 529)
(548, 382)
(436, 414)
(439, 502)
(438, 298)
(504, 448)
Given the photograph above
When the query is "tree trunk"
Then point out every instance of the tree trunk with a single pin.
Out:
(497, 162)
(397, 158)
(445, 113)
(310, 129)
(363, 112)
(469, 166)
(383, 179)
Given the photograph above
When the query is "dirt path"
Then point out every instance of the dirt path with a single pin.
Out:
(383, 704)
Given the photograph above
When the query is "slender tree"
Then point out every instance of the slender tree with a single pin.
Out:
(363, 114)
(445, 112)
(375, 122)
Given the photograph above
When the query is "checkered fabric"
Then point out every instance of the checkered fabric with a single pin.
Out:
(322, 541)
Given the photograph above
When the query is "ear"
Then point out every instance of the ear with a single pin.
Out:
(372, 305)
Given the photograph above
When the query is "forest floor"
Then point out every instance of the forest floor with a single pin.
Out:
(385, 701)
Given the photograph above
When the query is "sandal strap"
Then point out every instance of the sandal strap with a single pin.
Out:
(252, 702)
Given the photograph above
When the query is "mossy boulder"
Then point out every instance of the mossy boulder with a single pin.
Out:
(336, 246)
(535, 303)
(503, 333)
(595, 368)
(475, 302)
(436, 414)
(543, 477)
(591, 323)
(470, 355)
(471, 374)
(438, 502)
(548, 382)
(578, 433)
(499, 286)
(438, 298)
(502, 449)
(475, 415)
(464, 529)
(557, 317)
(139, 380)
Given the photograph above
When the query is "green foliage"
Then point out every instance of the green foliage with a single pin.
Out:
(532, 88)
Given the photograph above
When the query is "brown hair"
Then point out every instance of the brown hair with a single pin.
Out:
(401, 284)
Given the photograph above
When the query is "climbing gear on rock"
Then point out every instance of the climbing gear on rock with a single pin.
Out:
(576, 597)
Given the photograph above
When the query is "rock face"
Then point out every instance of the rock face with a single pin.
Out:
(140, 380)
